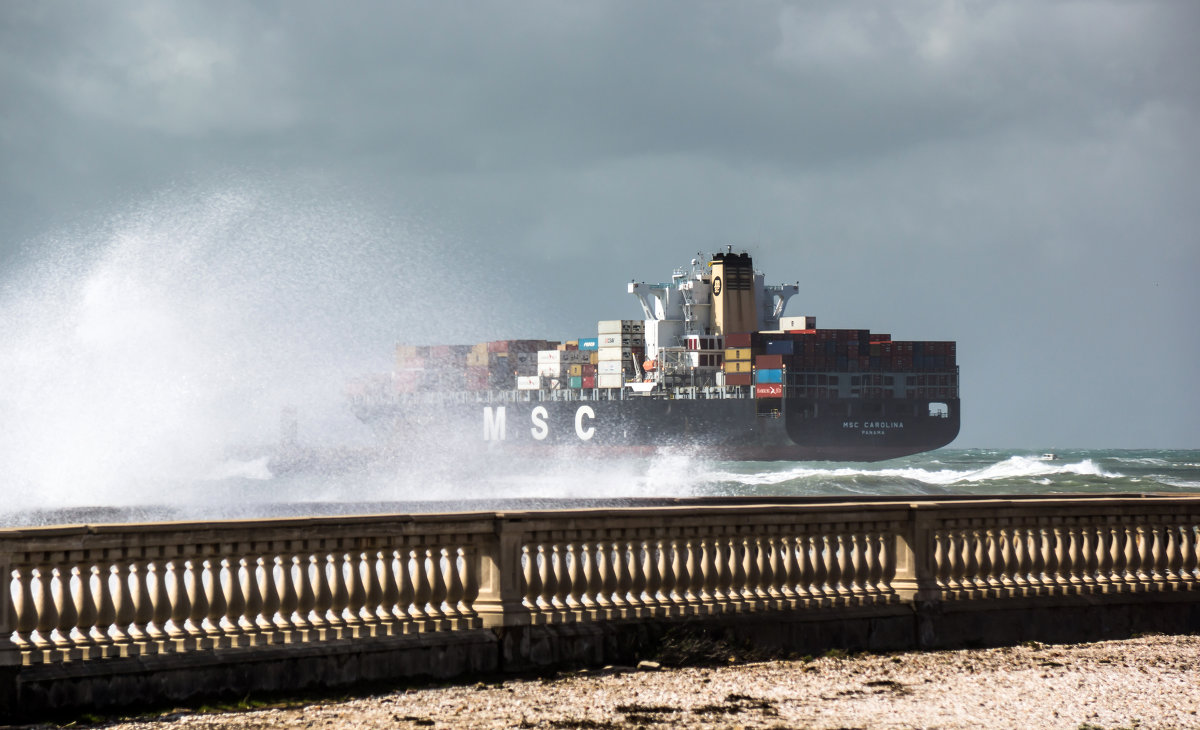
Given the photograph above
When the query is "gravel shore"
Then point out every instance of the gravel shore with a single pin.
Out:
(1148, 682)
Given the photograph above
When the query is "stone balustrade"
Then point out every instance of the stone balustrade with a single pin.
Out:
(88, 594)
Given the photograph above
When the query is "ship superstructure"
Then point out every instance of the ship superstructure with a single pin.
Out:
(713, 365)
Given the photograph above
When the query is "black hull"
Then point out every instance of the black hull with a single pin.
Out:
(791, 429)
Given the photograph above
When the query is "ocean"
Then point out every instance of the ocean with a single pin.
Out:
(248, 489)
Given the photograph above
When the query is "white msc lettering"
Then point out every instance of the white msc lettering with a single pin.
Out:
(540, 430)
(493, 423)
(584, 433)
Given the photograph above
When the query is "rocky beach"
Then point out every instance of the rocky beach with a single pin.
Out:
(1145, 682)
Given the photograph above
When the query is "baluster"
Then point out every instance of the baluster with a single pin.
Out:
(1188, 566)
(622, 580)
(691, 581)
(1075, 556)
(454, 590)
(764, 589)
(650, 557)
(1090, 560)
(593, 590)
(750, 574)
(217, 604)
(181, 605)
(125, 610)
(287, 628)
(394, 614)
(1117, 545)
(270, 626)
(1140, 555)
(198, 601)
(1159, 552)
(874, 568)
(833, 565)
(142, 608)
(470, 581)
(1035, 559)
(1155, 533)
(161, 601)
(235, 604)
(737, 566)
(1019, 541)
(1172, 558)
(562, 581)
(68, 613)
(88, 611)
(722, 573)
(675, 578)
(308, 624)
(1006, 534)
(533, 582)
(422, 590)
(26, 609)
(604, 579)
(545, 597)
(431, 566)
(576, 578)
(819, 586)
(798, 568)
(960, 556)
(995, 563)
(47, 616)
(856, 546)
(356, 594)
(637, 579)
(942, 565)
(407, 610)
(372, 592)
(1053, 554)
(252, 621)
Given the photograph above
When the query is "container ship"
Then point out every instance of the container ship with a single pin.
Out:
(713, 367)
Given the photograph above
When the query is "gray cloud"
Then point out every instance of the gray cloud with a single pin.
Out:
(1019, 176)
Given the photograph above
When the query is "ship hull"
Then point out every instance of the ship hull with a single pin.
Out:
(787, 429)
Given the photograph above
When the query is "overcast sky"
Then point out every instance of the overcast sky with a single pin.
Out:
(1022, 177)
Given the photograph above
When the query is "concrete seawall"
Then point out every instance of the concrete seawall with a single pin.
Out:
(111, 616)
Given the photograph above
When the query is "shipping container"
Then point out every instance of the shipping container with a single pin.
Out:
(768, 361)
(737, 353)
(589, 381)
(779, 346)
(738, 366)
(797, 323)
(737, 378)
(575, 381)
(529, 382)
(768, 390)
(607, 380)
(620, 326)
(739, 339)
(609, 367)
(624, 354)
(769, 376)
(575, 370)
(589, 344)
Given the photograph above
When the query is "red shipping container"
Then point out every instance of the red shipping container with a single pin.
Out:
(737, 378)
(738, 339)
(772, 362)
(768, 390)
(589, 381)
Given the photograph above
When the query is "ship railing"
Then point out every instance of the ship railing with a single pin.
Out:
(93, 593)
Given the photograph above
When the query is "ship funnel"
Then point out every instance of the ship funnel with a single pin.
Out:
(734, 307)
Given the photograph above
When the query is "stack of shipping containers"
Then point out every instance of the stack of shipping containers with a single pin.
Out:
(619, 342)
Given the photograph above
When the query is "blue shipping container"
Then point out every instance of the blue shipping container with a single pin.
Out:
(591, 343)
(770, 376)
(779, 347)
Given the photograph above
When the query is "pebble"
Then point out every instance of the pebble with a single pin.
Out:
(1146, 682)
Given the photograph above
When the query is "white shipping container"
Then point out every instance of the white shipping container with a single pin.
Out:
(529, 382)
(620, 326)
(609, 367)
(553, 370)
(614, 353)
(610, 381)
(798, 323)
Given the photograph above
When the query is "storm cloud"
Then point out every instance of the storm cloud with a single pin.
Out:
(1021, 177)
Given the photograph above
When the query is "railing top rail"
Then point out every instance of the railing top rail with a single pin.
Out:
(690, 511)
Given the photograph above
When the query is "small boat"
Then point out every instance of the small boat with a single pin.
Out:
(1049, 457)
